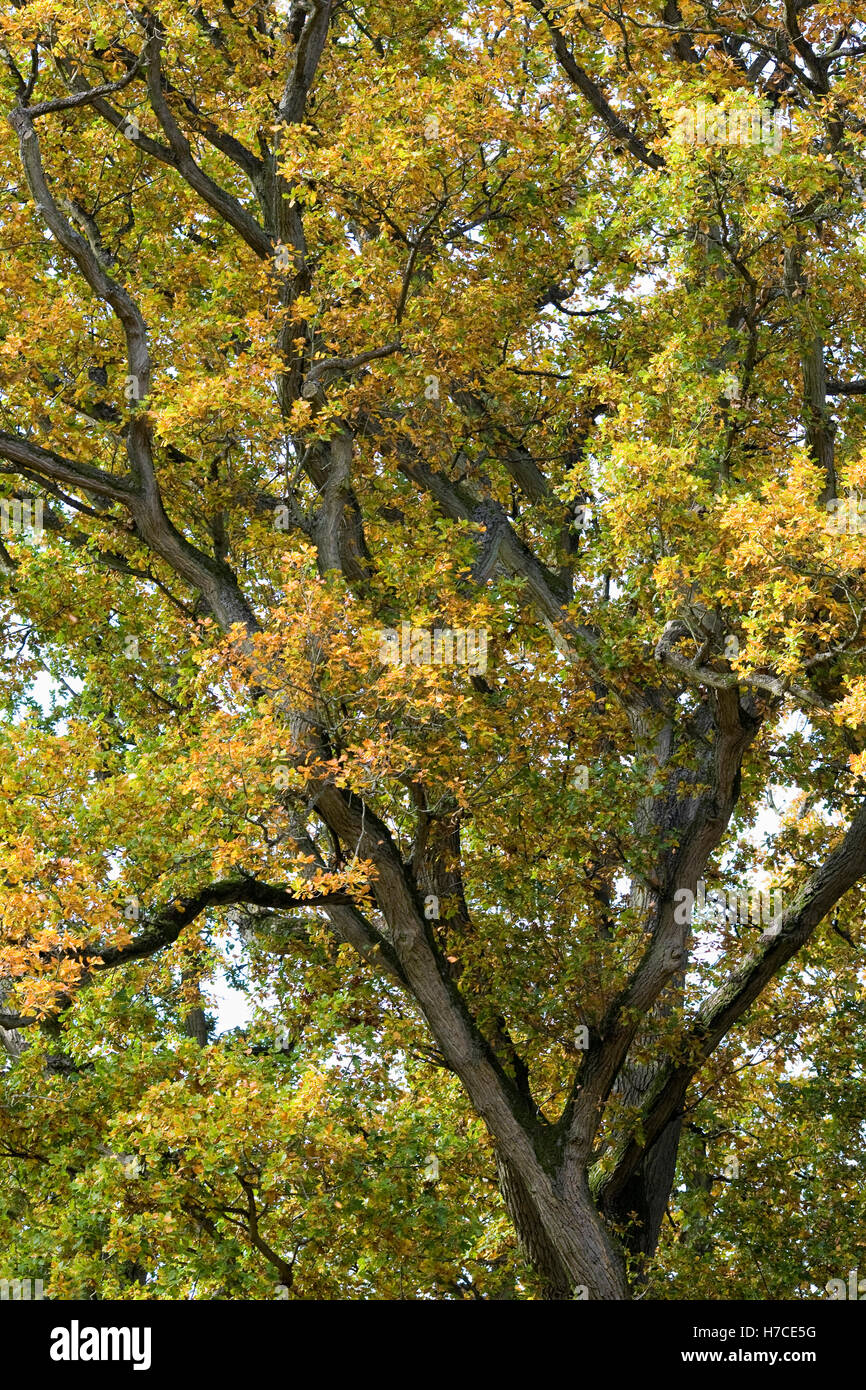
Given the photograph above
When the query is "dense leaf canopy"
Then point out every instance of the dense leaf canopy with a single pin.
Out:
(432, 437)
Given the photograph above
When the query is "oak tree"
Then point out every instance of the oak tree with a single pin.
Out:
(433, 586)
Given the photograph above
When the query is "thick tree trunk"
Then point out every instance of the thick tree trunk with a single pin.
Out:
(641, 1205)
(554, 1229)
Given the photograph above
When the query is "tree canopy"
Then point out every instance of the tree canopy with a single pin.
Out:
(432, 440)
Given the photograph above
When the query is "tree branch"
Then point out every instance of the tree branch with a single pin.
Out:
(777, 945)
(594, 95)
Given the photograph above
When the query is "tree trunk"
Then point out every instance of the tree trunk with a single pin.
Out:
(553, 1231)
(641, 1205)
